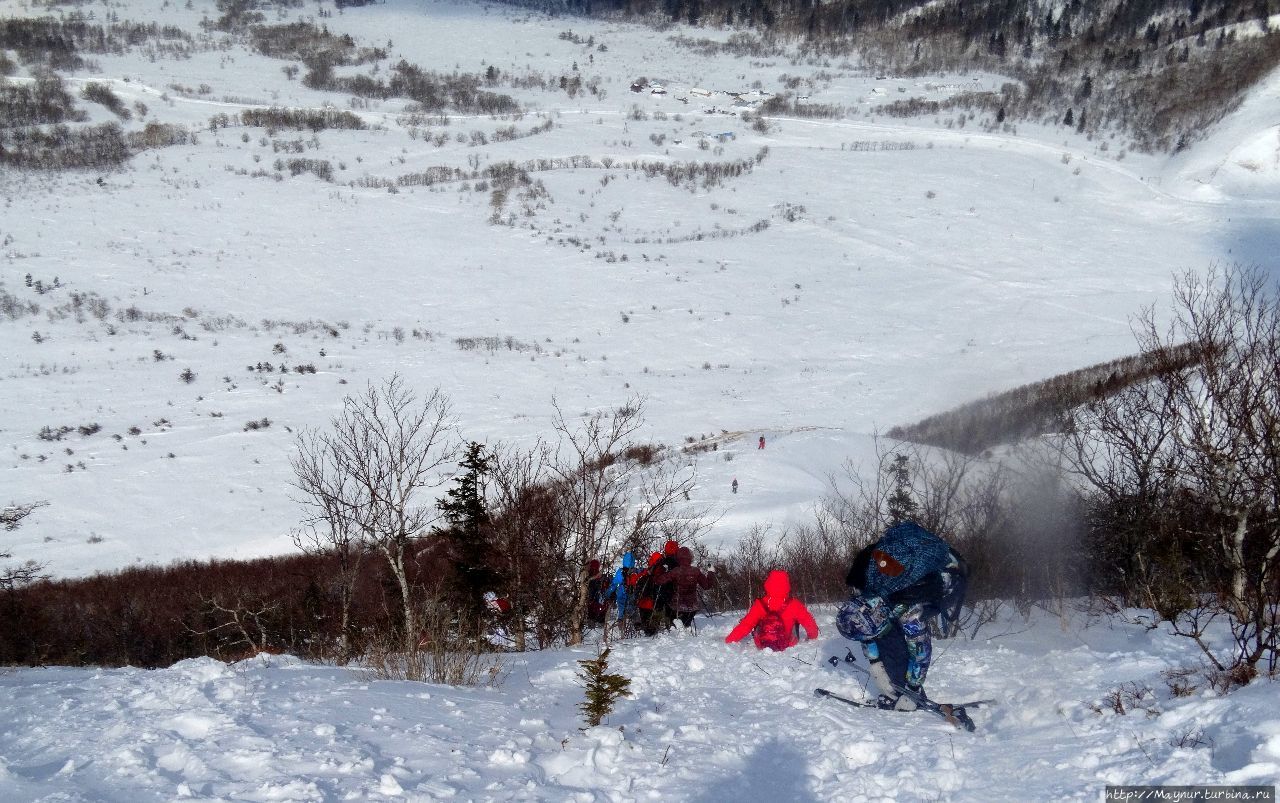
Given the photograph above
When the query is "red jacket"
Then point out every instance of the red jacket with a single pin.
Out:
(777, 597)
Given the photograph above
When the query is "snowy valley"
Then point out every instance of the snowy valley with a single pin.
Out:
(171, 325)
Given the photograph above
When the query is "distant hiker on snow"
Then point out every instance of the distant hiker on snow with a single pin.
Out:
(761, 446)
(734, 485)
(684, 581)
(775, 619)
(900, 582)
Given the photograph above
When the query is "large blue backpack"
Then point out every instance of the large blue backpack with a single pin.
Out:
(912, 553)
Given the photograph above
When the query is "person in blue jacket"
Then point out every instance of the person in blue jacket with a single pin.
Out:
(900, 583)
(618, 588)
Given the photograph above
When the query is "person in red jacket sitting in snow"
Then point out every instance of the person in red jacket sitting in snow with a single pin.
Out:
(775, 618)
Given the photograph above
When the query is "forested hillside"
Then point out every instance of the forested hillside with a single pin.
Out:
(1158, 71)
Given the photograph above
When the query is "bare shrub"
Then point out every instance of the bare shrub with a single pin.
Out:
(1128, 698)
(1181, 681)
(440, 655)
(11, 518)
(377, 467)
(1184, 471)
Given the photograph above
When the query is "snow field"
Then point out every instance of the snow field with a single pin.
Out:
(913, 279)
(706, 721)
(888, 285)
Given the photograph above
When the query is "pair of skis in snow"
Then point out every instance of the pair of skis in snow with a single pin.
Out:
(954, 713)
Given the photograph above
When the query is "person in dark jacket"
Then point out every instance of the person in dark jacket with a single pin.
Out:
(898, 585)
(684, 581)
(597, 593)
(664, 610)
(645, 592)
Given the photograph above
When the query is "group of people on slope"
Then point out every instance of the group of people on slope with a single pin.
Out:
(657, 596)
(900, 583)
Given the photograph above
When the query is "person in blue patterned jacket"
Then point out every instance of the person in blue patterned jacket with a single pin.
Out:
(900, 583)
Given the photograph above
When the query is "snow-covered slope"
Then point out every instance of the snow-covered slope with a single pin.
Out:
(706, 722)
(862, 273)
(1237, 168)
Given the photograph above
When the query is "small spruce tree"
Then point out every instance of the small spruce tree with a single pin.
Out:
(602, 688)
(902, 506)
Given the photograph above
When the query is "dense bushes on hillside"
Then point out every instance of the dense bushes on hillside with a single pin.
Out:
(301, 119)
(432, 91)
(57, 43)
(101, 94)
(305, 42)
(42, 101)
(1041, 407)
(61, 147)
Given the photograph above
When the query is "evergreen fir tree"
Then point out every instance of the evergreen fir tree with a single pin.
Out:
(602, 688)
(465, 510)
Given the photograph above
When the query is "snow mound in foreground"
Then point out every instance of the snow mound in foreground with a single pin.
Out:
(707, 722)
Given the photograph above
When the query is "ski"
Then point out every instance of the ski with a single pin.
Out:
(849, 659)
(953, 713)
(845, 700)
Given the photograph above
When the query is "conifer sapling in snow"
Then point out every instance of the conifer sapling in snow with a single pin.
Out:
(602, 688)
